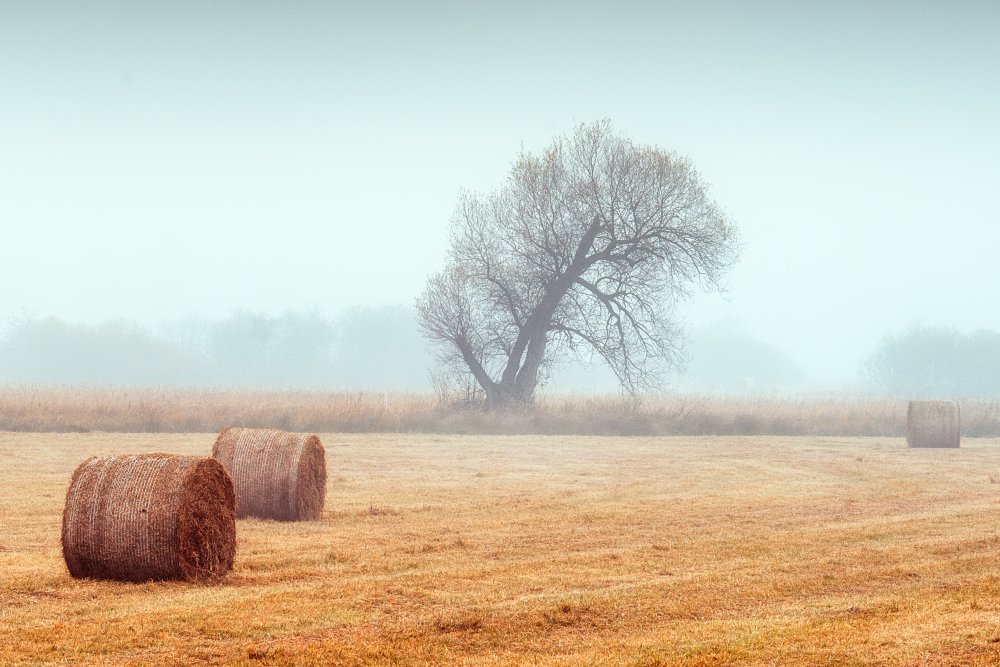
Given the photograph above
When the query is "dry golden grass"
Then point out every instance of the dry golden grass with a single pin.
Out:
(75, 409)
(487, 550)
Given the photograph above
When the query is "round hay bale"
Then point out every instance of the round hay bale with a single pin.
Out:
(150, 517)
(933, 424)
(277, 475)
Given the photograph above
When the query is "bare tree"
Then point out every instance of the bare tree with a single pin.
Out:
(584, 251)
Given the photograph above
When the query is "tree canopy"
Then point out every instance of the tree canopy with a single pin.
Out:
(584, 250)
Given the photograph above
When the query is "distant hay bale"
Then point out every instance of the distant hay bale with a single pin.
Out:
(277, 475)
(150, 517)
(933, 424)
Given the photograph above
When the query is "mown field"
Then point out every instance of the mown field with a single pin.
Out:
(545, 550)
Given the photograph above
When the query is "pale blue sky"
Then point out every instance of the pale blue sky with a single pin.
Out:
(184, 159)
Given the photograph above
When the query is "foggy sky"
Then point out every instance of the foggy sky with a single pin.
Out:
(202, 158)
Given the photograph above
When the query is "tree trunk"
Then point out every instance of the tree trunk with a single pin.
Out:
(516, 388)
(506, 396)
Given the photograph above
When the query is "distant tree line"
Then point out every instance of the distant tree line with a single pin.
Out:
(732, 361)
(926, 361)
(361, 348)
(382, 348)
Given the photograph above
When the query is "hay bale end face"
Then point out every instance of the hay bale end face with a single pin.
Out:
(277, 475)
(933, 424)
(150, 517)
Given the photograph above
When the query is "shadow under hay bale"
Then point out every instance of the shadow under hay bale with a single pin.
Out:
(150, 517)
(277, 475)
(933, 424)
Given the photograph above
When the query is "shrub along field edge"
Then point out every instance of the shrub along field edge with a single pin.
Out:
(122, 410)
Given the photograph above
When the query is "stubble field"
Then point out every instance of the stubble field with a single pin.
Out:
(544, 550)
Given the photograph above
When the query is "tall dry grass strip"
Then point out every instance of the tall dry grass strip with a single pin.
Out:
(150, 517)
(277, 475)
(933, 424)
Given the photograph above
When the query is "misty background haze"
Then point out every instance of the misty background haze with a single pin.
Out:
(254, 193)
